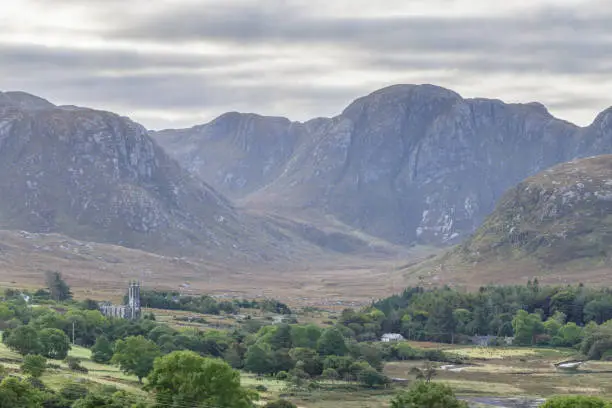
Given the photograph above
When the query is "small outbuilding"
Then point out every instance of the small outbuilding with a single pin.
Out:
(389, 337)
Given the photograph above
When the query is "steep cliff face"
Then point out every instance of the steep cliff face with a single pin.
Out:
(97, 176)
(237, 153)
(408, 163)
(560, 215)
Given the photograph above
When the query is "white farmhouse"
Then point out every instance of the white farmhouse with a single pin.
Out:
(388, 337)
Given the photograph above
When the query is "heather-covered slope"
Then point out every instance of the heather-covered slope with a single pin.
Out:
(561, 215)
(556, 225)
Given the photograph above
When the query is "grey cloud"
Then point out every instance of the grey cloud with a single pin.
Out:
(553, 39)
(579, 102)
(175, 92)
(256, 24)
(209, 92)
(550, 42)
(26, 57)
(487, 62)
(108, 74)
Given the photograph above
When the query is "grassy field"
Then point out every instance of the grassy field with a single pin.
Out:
(488, 373)
(56, 378)
(180, 319)
(511, 372)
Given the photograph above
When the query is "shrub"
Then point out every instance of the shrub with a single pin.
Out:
(34, 365)
(428, 395)
(607, 356)
(280, 403)
(36, 383)
(577, 401)
(73, 391)
(75, 364)
(441, 357)
(372, 378)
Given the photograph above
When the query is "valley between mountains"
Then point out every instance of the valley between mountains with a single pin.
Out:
(409, 184)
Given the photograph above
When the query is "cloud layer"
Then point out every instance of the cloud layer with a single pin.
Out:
(182, 62)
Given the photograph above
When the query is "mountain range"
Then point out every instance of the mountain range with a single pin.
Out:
(97, 176)
(406, 164)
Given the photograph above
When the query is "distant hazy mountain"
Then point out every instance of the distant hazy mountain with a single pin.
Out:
(408, 163)
(96, 176)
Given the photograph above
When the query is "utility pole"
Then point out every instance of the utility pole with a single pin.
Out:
(73, 332)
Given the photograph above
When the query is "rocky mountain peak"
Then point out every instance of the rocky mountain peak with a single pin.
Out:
(24, 100)
(97, 176)
(603, 121)
(401, 97)
(237, 151)
(407, 163)
(539, 107)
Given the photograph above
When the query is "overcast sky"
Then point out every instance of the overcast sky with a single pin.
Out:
(177, 63)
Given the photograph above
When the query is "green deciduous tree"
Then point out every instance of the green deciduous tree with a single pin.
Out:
(563, 302)
(428, 395)
(330, 374)
(552, 327)
(526, 327)
(183, 378)
(281, 337)
(305, 336)
(569, 334)
(597, 340)
(18, 393)
(119, 399)
(135, 355)
(598, 311)
(34, 365)
(6, 313)
(369, 353)
(24, 340)
(310, 358)
(342, 364)
(372, 378)
(102, 351)
(404, 351)
(259, 359)
(332, 343)
(54, 343)
(577, 401)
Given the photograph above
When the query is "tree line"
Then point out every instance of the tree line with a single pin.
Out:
(533, 314)
(173, 300)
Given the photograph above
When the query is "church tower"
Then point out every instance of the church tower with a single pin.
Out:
(134, 300)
